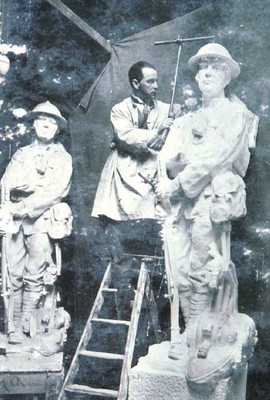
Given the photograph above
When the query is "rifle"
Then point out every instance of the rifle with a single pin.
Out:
(6, 285)
(171, 266)
(171, 261)
(227, 297)
(49, 278)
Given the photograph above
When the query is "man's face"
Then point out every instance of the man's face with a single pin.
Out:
(147, 87)
(46, 128)
(212, 76)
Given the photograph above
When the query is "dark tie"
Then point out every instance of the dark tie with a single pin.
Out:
(142, 115)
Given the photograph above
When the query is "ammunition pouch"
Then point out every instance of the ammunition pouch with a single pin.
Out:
(60, 221)
(228, 198)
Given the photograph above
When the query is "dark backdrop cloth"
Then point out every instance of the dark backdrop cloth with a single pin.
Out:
(90, 124)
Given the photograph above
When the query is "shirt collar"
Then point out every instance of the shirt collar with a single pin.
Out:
(136, 100)
(218, 102)
(42, 148)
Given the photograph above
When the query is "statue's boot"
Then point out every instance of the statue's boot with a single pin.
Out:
(17, 336)
(30, 303)
(176, 351)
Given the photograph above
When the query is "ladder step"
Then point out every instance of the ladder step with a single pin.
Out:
(111, 321)
(82, 389)
(103, 355)
(113, 290)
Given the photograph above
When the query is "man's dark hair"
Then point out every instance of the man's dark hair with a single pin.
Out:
(135, 72)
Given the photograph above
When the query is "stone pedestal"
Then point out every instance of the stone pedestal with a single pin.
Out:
(29, 373)
(158, 377)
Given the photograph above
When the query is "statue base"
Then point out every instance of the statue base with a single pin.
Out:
(158, 377)
(27, 372)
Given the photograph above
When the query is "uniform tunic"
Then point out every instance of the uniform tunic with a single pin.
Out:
(207, 151)
(46, 174)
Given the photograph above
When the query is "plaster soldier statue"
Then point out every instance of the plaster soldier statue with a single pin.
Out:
(206, 156)
(36, 180)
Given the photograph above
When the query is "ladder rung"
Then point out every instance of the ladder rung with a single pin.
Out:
(113, 290)
(82, 389)
(111, 321)
(100, 354)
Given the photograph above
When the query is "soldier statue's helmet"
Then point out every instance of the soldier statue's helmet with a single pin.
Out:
(215, 50)
(4, 65)
(51, 110)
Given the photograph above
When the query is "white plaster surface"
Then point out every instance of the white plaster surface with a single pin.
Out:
(156, 377)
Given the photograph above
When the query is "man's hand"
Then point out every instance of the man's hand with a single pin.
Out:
(157, 141)
(166, 124)
(168, 187)
(191, 103)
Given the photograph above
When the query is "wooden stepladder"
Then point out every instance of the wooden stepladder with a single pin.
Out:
(72, 390)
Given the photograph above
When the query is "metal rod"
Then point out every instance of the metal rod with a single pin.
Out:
(143, 256)
(175, 79)
(180, 41)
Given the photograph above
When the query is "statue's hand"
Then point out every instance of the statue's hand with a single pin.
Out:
(7, 224)
(18, 210)
(167, 187)
(191, 103)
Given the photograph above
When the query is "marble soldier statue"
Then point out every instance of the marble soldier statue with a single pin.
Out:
(206, 157)
(36, 180)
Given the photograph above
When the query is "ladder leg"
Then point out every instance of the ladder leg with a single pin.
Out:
(132, 332)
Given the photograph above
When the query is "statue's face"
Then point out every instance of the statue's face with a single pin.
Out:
(46, 128)
(212, 76)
